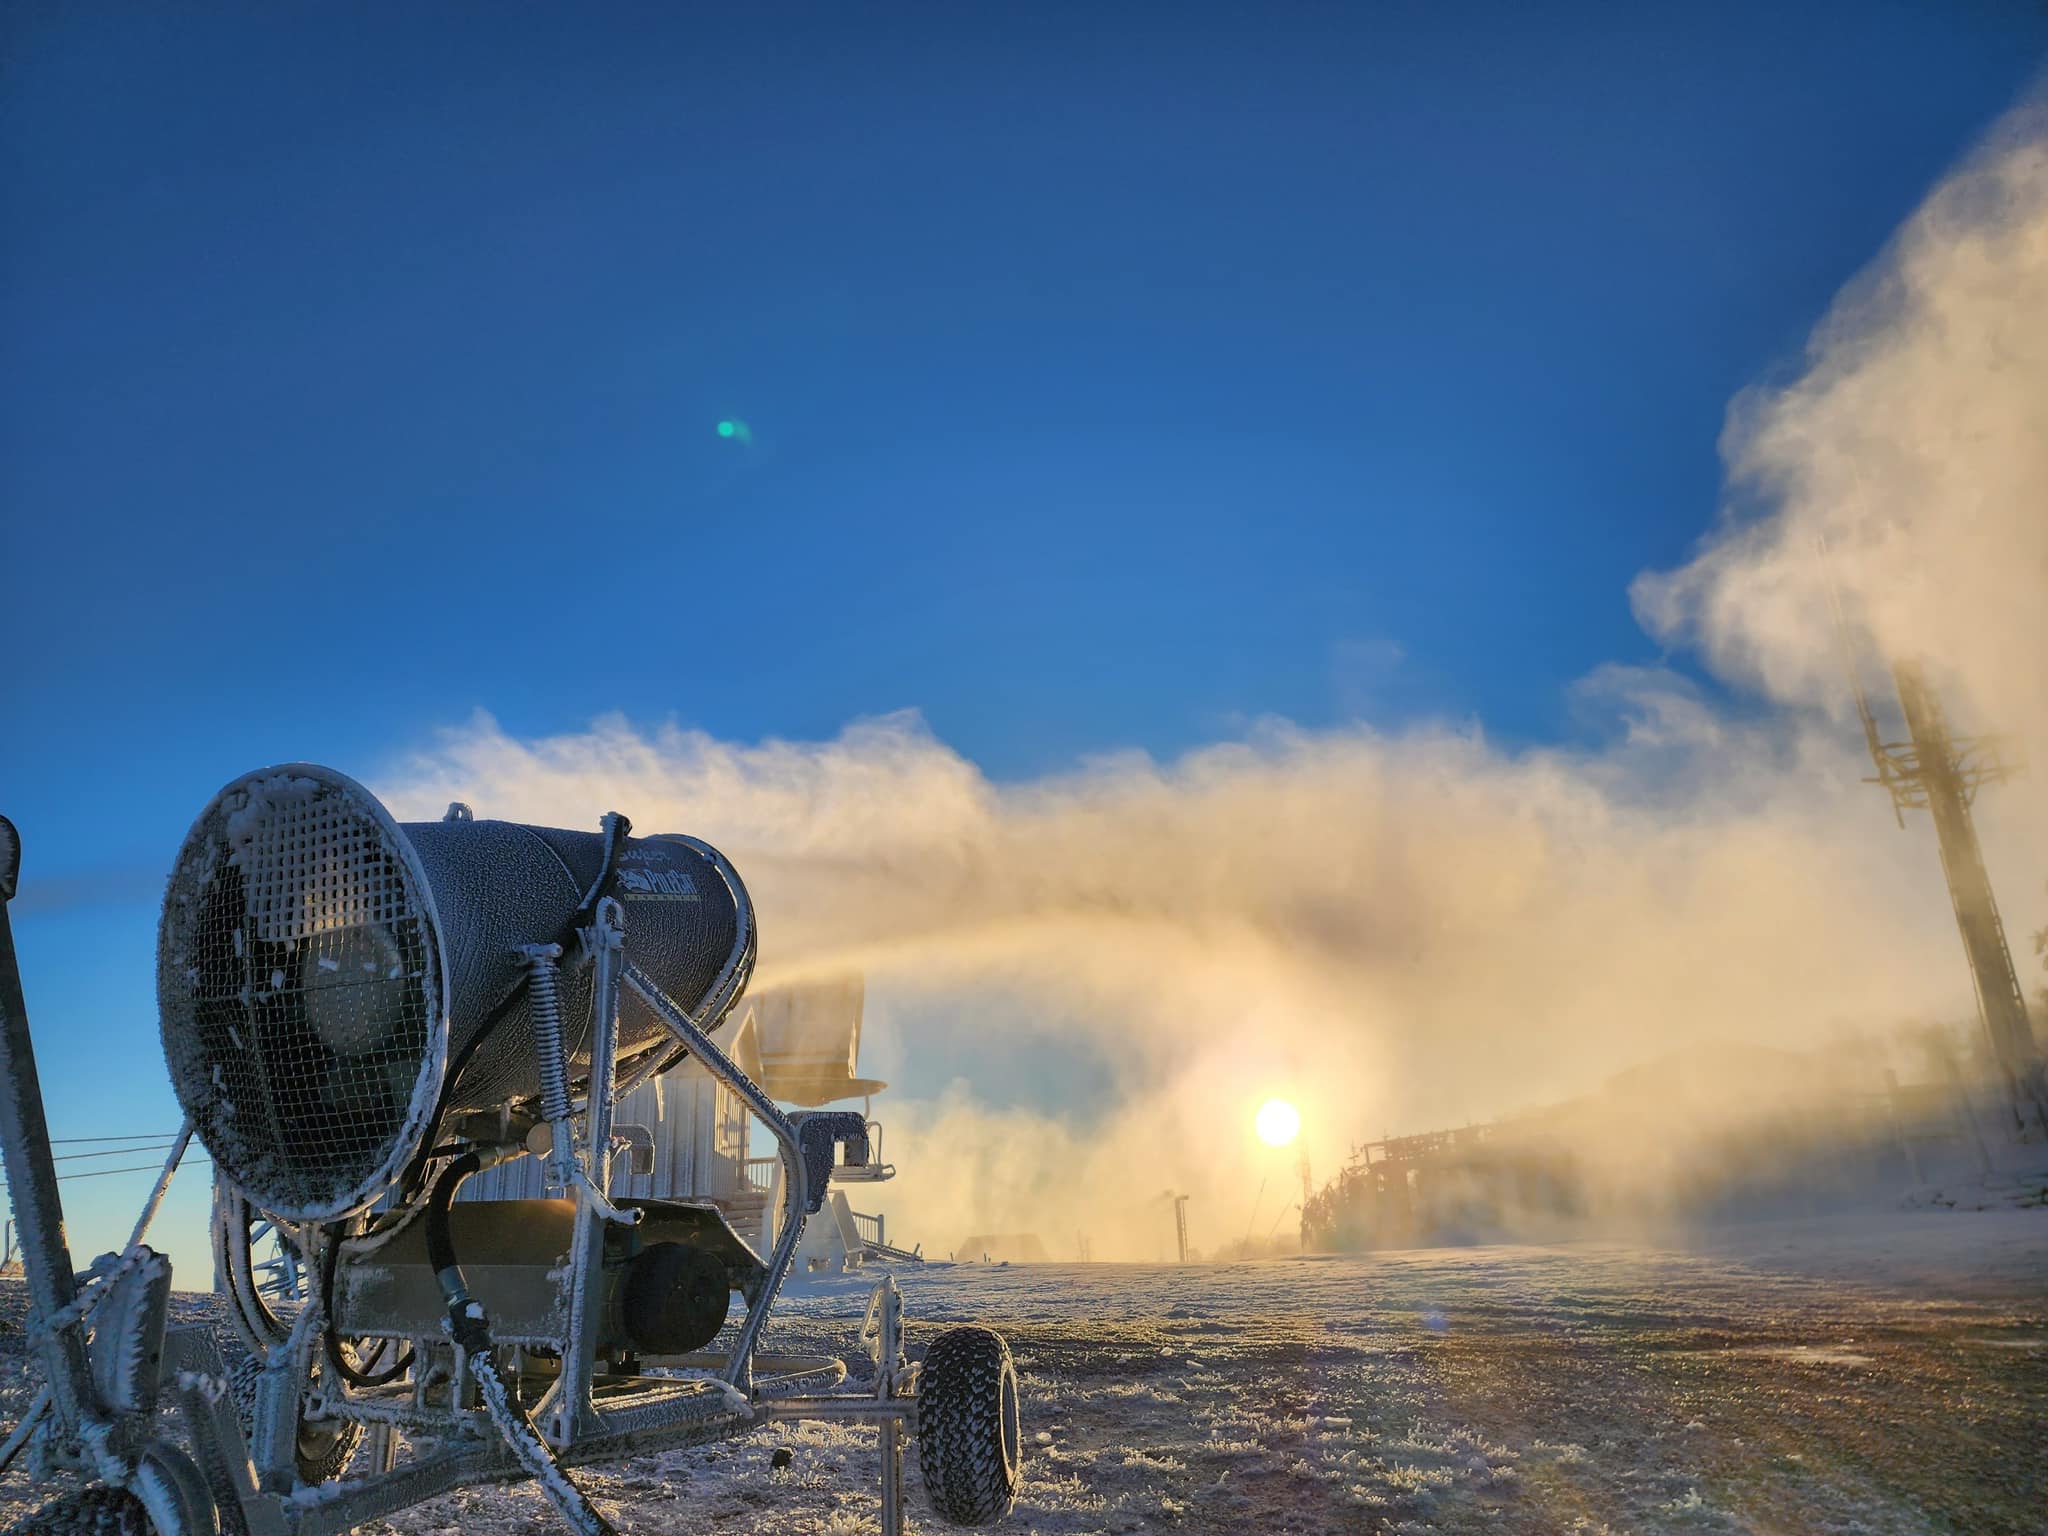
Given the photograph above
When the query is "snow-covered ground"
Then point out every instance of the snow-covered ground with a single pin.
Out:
(1877, 1375)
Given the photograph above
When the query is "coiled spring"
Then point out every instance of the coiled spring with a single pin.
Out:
(544, 995)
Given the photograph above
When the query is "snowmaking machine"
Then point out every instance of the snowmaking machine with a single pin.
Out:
(357, 1016)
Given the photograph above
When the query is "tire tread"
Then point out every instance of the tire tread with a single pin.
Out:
(970, 1477)
(95, 1511)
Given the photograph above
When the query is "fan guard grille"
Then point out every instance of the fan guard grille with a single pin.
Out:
(299, 983)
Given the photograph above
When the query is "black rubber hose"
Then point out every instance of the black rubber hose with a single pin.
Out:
(440, 1247)
(417, 1167)
(616, 830)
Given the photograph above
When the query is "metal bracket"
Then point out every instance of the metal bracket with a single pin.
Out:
(892, 1408)
(587, 1173)
(128, 1335)
(886, 1308)
(605, 942)
(637, 1142)
(820, 1134)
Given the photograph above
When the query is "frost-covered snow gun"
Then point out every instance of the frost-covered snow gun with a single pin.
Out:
(357, 1017)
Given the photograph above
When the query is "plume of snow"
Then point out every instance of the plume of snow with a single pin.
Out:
(1412, 930)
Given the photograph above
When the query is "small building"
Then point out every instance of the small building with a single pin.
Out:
(801, 1043)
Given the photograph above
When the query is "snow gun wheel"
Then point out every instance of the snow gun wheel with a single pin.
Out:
(169, 1498)
(325, 1446)
(88, 1512)
(256, 1292)
(970, 1445)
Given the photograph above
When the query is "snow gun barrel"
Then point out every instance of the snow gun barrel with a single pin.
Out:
(333, 985)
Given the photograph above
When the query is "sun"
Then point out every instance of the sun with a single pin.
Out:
(1278, 1122)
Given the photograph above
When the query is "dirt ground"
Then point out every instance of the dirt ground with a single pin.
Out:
(1872, 1376)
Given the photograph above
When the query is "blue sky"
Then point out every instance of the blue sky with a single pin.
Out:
(1114, 375)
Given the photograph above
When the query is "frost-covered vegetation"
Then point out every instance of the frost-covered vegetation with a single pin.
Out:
(1885, 1375)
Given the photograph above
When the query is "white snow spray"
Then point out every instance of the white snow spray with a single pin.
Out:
(1403, 931)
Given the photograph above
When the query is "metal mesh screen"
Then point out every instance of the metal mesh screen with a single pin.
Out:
(299, 990)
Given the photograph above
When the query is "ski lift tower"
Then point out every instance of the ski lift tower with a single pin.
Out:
(1938, 772)
(1180, 1222)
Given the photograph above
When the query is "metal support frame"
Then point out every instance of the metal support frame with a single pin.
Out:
(192, 1364)
(118, 1446)
(892, 1408)
(795, 1180)
(606, 938)
(567, 1407)
(885, 1331)
(32, 1177)
(249, 1481)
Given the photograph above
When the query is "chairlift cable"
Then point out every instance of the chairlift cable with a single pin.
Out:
(73, 1157)
(66, 1141)
(102, 1173)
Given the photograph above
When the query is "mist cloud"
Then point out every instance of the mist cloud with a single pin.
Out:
(1915, 443)
(1400, 931)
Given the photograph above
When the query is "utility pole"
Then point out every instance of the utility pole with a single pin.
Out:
(1949, 771)
(1940, 773)
(1307, 1193)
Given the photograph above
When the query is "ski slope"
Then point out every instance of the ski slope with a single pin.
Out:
(1883, 1374)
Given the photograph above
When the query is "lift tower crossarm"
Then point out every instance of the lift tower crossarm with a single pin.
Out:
(1889, 768)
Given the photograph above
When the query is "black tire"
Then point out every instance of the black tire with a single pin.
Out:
(325, 1446)
(256, 1322)
(88, 1512)
(970, 1441)
(676, 1299)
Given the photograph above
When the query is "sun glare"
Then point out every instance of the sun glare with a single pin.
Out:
(1278, 1122)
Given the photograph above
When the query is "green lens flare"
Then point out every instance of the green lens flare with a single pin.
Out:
(728, 429)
